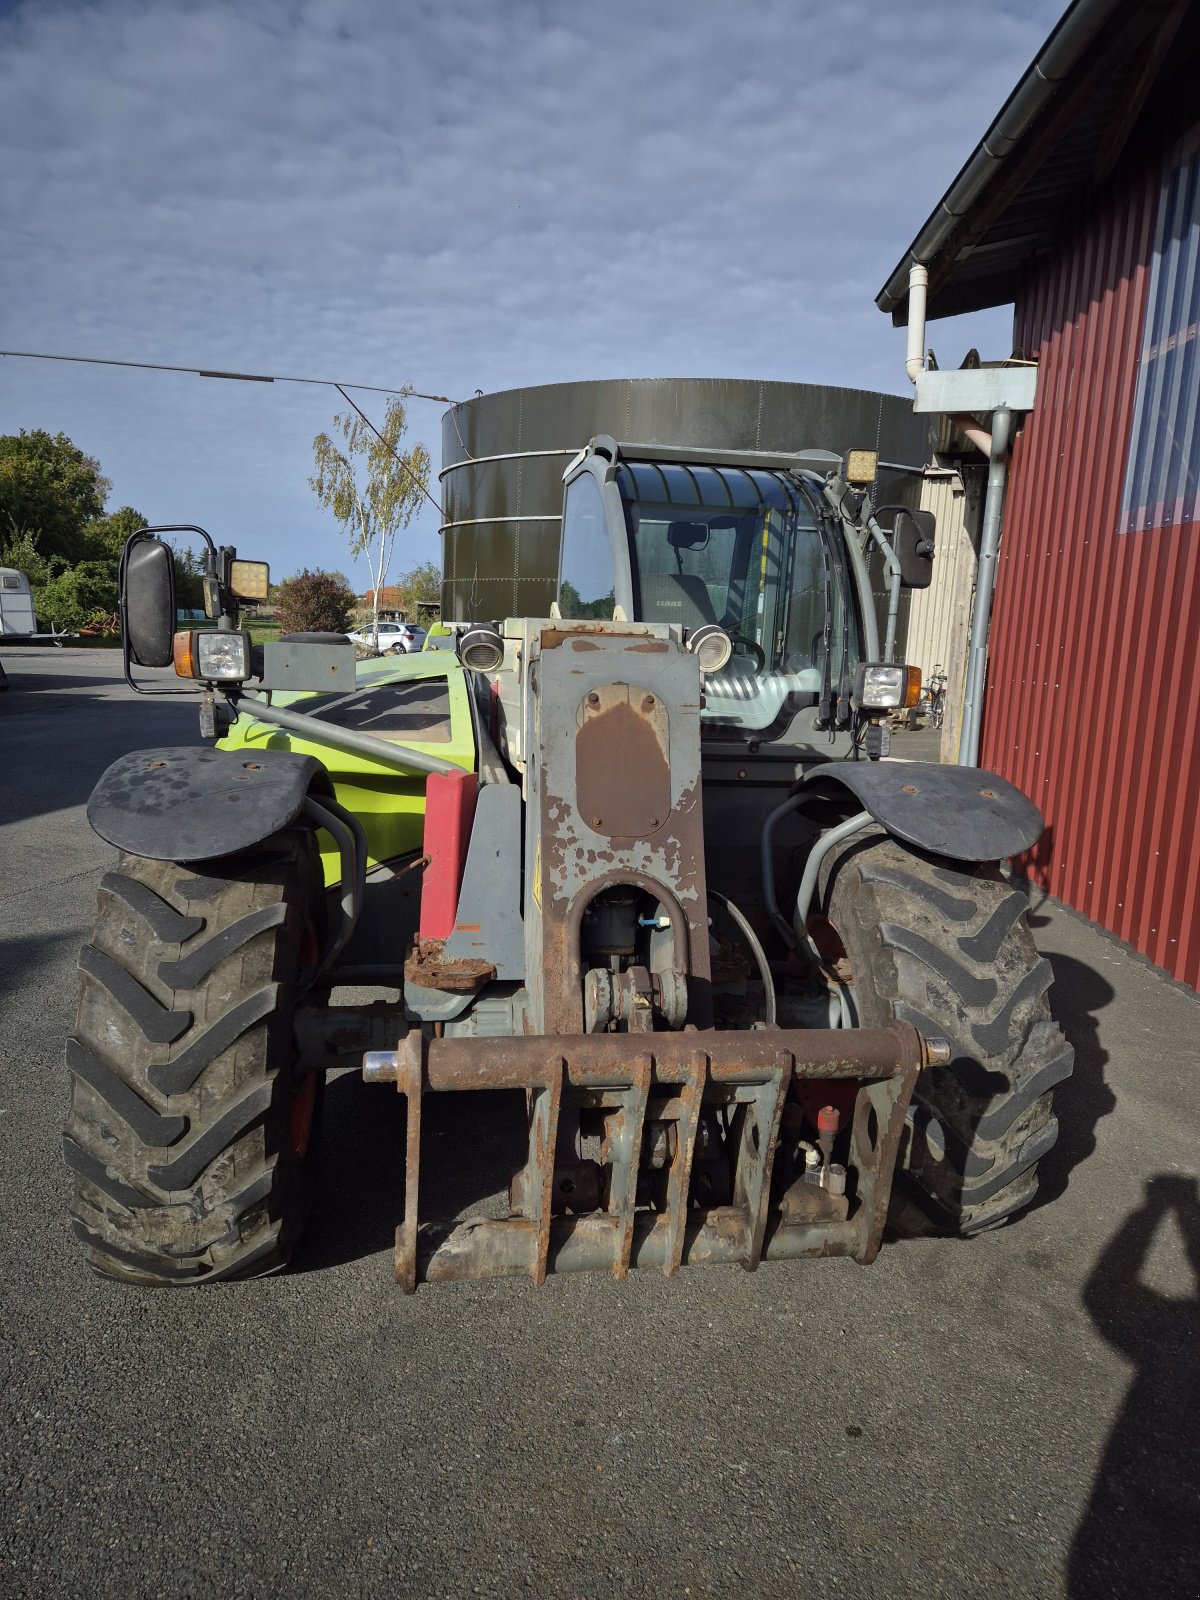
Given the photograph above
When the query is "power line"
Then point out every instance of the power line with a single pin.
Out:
(236, 377)
(400, 461)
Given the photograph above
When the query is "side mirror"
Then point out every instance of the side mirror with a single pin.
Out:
(148, 601)
(912, 541)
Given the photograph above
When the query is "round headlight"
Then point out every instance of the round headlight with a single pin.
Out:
(481, 649)
(711, 646)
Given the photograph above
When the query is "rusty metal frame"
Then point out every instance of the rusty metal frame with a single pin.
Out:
(571, 853)
(675, 1074)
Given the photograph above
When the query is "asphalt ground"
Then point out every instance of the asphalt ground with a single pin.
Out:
(1012, 1416)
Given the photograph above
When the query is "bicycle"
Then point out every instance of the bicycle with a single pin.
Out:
(933, 697)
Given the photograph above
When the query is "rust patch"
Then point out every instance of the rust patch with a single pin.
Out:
(428, 967)
(580, 634)
(650, 647)
(622, 769)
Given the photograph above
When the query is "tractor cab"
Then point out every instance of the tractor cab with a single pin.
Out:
(749, 557)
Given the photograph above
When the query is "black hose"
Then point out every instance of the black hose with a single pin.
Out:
(793, 803)
(756, 949)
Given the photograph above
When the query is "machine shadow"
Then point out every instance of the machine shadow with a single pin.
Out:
(91, 730)
(36, 958)
(1140, 1533)
(1034, 868)
(1078, 995)
(471, 1144)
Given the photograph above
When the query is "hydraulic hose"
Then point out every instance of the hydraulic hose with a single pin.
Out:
(770, 899)
(756, 949)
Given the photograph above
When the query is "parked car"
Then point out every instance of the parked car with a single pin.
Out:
(395, 638)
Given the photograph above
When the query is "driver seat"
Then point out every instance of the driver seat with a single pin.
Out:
(678, 597)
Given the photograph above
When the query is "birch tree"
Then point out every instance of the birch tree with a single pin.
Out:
(372, 487)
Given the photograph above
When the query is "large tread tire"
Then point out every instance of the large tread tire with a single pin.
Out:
(946, 946)
(190, 1128)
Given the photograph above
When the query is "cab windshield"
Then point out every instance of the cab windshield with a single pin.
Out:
(740, 547)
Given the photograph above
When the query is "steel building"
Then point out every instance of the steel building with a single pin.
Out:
(1082, 206)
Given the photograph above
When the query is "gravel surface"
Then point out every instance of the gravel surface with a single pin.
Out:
(1014, 1416)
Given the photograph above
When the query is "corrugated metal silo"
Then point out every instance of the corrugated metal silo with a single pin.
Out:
(503, 457)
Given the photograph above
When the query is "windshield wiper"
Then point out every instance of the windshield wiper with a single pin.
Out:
(826, 703)
(844, 712)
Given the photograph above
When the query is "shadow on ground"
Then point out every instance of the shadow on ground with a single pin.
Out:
(1076, 1000)
(58, 741)
(33, 956)
(46, 686)
(1140, 1534)
(471, 1144)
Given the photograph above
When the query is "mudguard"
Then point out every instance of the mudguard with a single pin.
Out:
(196, 803)
(965, 813)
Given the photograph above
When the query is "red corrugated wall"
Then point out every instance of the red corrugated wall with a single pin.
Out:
(1093, 697)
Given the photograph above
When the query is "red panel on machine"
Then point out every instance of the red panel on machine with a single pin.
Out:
(449, 812)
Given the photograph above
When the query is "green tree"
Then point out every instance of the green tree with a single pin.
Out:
(417, 589)
(571, 604)
(314, 602)
(83, 596)
(105, 536)
(19, 549)
(65, 597)
(371, 486)
(189, 578)
(50, 488)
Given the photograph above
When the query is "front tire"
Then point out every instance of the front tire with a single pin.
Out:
(190, 1128)
(946, 946)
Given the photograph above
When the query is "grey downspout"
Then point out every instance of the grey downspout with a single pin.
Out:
(985, 585)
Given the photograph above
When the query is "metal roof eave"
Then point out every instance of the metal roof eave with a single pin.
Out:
(1075, 32)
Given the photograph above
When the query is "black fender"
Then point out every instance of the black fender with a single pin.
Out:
(965, 813)
(195, 803)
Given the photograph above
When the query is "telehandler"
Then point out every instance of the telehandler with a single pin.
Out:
(765, 990)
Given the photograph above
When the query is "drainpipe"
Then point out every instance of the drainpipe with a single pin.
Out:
(972, 430)
(918, 286)
(985, 584)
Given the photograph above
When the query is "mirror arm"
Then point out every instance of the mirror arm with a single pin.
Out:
(892, 571)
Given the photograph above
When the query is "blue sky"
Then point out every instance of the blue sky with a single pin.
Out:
(460, 196)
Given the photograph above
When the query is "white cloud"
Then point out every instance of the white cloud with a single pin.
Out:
(476, 195)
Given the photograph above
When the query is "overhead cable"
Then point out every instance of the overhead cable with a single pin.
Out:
(237, 377)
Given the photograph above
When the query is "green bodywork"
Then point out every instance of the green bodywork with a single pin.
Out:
(389, 804)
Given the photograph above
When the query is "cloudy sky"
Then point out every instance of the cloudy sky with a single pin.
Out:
(474, 194)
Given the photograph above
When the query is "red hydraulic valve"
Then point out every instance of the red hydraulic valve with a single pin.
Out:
(829, 1120)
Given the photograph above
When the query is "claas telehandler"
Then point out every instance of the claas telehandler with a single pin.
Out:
(765, 990)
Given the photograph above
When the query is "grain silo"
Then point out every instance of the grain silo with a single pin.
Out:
(503, 457)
